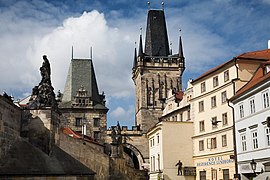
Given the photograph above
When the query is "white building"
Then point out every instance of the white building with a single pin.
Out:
(170, 140)
(252, 109)
(214, 155)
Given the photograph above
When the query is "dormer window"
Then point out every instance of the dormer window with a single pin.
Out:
(82, 99)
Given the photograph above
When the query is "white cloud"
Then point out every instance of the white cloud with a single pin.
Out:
(112, 41)
(111, 51)
(33, 28)
(124, 115)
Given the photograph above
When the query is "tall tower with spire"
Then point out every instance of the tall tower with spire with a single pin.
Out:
(155, 71)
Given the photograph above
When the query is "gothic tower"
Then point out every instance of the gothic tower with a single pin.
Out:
(155, 71)
(82, 106)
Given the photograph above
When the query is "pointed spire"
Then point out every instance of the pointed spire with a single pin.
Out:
(135, 57)
(180, 53)
(162, 4)
(140, 46)
(156, 39)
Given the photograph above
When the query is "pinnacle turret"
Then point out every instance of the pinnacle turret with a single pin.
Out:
(135, 59)
(180, 52)
(141, 54)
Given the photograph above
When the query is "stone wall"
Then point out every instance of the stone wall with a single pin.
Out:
(93, 157)
(10, 119)
(97, 131)
(89, 154)
(41, 128)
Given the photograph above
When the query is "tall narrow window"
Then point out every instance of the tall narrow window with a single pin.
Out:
(203, 88)
(214, 174)
(151, 162)
(78, 122)
(214, 122)
(202, 175)
(223, 97)
(224, 140)
(96, 122)
(226, 76)
(188, 115)
(226, 175)
(202, 126)
(241, 110)
(158, 159)
(201, 145)
(213, 143)
(243, 142)
(255, 140)
(154, 163)
(224, 119)
(201, 106)
(252, 106)
(267, 134)
(213, 101)
(265, 97)
(215, 81)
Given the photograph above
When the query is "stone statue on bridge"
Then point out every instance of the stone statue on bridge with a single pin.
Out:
(117, 144)
(43, 94)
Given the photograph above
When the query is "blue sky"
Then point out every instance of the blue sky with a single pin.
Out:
(213, 31)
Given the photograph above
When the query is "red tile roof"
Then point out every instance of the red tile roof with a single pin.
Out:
(258, 78)
(76, 135)
(263, 55)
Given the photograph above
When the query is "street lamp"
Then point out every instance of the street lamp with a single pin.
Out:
(253, 165)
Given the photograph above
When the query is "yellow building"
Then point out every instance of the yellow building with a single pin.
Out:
(170, 140)
(213, 140)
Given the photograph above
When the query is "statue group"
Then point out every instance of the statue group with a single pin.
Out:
(43, 94)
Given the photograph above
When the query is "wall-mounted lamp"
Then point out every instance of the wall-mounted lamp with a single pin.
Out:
(253, 165)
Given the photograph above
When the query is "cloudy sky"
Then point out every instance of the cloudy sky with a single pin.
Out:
(213, 31)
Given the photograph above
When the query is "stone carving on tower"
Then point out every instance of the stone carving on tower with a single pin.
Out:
(155, 71)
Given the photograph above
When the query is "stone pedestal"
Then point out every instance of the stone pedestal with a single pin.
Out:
(41, 126)
(114, 150)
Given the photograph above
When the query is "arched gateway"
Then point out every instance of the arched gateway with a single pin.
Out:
(135, 155)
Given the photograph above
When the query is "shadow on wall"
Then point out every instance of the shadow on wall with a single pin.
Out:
(33, 128)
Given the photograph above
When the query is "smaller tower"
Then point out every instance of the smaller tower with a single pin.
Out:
(82, 106)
